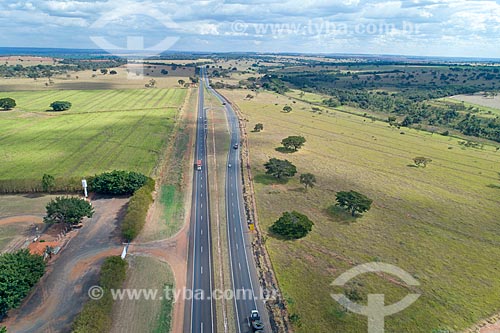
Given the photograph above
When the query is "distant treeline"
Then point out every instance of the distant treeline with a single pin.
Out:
(63, 66)
(412, 94)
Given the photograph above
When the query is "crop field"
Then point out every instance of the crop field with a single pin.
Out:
(104, 130)
(439, 223)
(487, 104)
(145, 315)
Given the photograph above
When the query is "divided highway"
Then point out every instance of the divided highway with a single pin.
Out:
(202, 319)
(243, 272)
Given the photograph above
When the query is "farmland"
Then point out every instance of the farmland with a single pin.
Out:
(104, 130)
(437, 223)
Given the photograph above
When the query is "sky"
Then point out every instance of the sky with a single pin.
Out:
(457, 28)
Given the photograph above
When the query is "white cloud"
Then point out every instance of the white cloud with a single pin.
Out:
(451, 27)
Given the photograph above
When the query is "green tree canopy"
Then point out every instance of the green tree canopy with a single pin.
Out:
(258, 127)
(7, 103)
(68, 210)
(48, 183)
(287, 109)
(19, 272)
(181, 82)
(118, 182)
(308, 180)
(421, 161)
(280, 168)
(292, 225)
(293, 142)
(354, 201)
(60, 105)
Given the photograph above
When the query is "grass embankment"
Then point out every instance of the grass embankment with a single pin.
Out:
(104, 130)
(438, 223)
(153, 315)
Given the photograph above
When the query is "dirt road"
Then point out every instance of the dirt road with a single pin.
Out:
(60, 295)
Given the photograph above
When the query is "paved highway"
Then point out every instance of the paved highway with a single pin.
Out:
(202, 318)
(243, 272)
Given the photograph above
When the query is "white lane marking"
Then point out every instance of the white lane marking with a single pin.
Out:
(234, 229)
(201, 205)
(201, 185)
(201, 249)
(201, 231)
(239, 266)
(237, 247)
(201, 326)
(202, 270)
(232, 204)
(201, 217)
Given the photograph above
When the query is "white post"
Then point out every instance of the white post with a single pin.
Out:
(84, 185)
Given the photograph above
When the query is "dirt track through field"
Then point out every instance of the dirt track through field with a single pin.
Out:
(60, 295)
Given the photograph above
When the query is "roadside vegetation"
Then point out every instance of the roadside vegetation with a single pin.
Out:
(96, 314)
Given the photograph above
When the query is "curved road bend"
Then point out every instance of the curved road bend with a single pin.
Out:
(243, 271)
(202, 309)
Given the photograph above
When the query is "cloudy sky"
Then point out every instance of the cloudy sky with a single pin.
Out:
(465, 28)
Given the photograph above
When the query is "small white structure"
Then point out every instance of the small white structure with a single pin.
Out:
(84, 185)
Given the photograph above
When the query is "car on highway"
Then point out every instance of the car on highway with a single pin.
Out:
(235, 146)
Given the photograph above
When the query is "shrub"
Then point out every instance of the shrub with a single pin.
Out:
(117, 182)
(137, 211)
(7, 103)
(96, 314)
(60, 105)
(292, 225)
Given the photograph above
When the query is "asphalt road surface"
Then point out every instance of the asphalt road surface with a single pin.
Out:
(202, 319)
(243, 272)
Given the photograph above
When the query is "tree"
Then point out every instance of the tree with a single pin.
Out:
(293, 142)
(3, 329)
(421, 161)
(287, 109)
(7, 103)
(181, 82)
(308, 180)
(48, 183)
(60, 105)
(164, 72)
(354, 202)
(258, 127)
(292, 225)
(118, 182)
(280, 168)
(113, 72)
(104, 71)
(19, 272)
(67, 210)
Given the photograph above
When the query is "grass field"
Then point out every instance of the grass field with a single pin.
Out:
(439, 223)
(104, 130)
(145, 315)
(489, 105)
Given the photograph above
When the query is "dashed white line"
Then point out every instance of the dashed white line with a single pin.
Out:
(202, 269)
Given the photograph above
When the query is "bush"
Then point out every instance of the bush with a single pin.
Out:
(292, 225)
(96, 314)
(7, 103)
(60, 105)
(19, 272)
(137, 211)
(117, 182)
